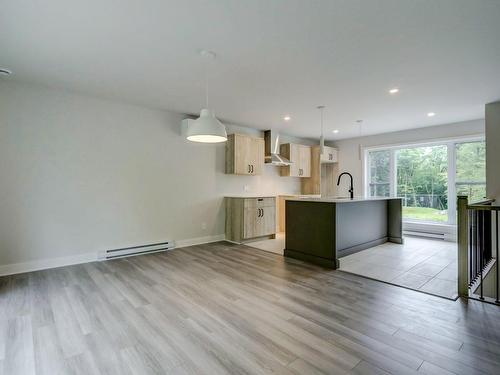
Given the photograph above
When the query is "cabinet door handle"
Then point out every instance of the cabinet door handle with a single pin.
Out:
(252, 168)
(262, 212)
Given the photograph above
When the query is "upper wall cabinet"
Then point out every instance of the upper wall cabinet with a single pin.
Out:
(300, 156)
(329, 155)
(244, 154)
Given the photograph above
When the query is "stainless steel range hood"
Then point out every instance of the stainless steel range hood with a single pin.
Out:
(272, 149)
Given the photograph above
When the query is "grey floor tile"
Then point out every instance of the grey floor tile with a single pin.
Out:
(411, 280)
(427, 269)
(449, 273)
(413, 265)
(440, 287)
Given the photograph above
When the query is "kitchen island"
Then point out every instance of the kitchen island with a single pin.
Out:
(321, 230)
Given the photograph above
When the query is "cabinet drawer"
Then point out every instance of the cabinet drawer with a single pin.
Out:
(260, 202)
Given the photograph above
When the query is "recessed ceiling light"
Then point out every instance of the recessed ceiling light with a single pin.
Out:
(287, 118)
(335, 131)
(431, 114)
(5, 72)
(393, 91)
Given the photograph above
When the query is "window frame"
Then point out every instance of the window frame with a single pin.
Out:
(450, 143)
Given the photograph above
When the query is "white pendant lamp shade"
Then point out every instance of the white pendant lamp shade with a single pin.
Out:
(206, 129)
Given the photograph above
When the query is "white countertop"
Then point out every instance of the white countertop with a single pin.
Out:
(344, 200)
(297, 196)
(250, 196)
(301, 196)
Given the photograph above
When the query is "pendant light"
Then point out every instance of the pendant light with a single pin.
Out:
(321, 138)
(207, 128)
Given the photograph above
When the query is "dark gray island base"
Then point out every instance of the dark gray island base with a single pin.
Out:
(324, 229)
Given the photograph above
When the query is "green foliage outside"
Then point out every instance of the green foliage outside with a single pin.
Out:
(471, 170)
(422, 177)
(425, 214)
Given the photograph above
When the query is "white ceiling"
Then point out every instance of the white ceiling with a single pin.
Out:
(273, 57)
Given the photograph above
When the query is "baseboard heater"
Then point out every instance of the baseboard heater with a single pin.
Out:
(136, 250)
(418, 233)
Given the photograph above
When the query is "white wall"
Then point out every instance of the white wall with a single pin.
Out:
(492, 113)
(80, 174)
(350, 157)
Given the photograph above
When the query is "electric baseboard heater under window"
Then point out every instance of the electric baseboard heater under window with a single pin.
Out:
(420, 233)
(136, 250)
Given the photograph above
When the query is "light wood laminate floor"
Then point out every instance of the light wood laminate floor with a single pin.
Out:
(230, 309)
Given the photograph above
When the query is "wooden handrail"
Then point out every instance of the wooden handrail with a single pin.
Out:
(480, 207)
(483, 205)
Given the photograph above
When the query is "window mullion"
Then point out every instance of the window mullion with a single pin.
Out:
(452, 191)
(393, 183)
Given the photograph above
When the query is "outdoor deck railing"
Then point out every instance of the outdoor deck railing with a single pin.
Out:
(477, 248)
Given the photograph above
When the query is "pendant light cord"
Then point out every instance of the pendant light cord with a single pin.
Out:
(321, 108)
(206, 85)
(322, 120)
(208, 56)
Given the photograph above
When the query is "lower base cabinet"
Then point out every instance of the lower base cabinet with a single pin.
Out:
(249, 218)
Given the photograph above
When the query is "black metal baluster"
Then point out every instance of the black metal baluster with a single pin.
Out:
(496, 241)
(471, 247)
(475, 242)
(481, 254)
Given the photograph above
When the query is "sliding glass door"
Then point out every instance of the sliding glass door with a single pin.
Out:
(425, 176)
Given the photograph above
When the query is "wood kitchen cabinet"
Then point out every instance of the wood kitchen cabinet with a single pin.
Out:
(300, 157)
(249, 218)
(323, 173)
(329, 155)
(244, 154)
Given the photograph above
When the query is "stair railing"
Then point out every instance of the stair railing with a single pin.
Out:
(478, 228)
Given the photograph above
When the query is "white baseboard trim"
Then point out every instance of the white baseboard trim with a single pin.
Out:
(43, 264)
(199, 240)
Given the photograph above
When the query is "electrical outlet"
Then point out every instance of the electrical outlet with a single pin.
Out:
(246, 188)
(203, 226)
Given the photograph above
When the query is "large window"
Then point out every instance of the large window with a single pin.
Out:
(424, 176)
